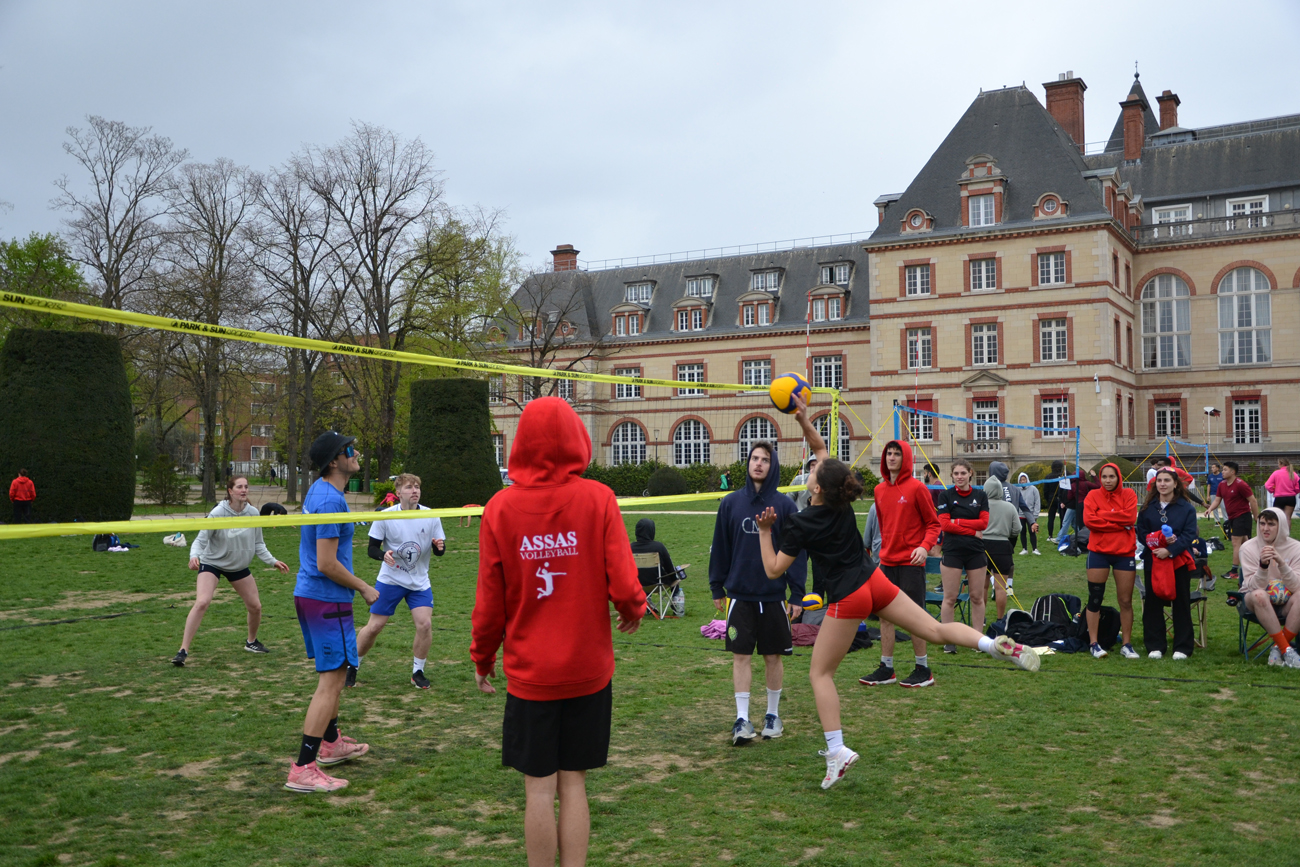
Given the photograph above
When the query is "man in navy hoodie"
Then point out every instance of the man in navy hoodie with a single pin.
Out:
(755, 605)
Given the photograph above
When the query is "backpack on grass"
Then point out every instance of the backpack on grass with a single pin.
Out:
(1055, 608)
(103, 541)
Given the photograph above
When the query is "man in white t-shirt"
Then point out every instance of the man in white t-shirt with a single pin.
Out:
(404, 546)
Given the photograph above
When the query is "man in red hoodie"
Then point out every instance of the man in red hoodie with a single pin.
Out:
(21, 493)
(553, 555)
(909, 528)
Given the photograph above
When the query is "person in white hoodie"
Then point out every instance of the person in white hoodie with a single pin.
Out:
(228, 553)
(1032, 503)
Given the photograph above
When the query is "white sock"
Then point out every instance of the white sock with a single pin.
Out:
(887, 661)
(773, 701)
(419, 664)
(742, 705)
(834, 741)
(923, 660)
(360, 659)
(986, 645)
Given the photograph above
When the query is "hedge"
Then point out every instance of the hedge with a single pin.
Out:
(66, 418)
(633, 480)
(449, 443)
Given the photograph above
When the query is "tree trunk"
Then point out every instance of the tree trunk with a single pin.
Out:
(291, 436)
(308, 422)
(211, 380)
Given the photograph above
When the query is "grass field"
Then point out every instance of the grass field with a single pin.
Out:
(112, 756)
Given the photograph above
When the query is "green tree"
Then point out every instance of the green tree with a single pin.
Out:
(451, 442)
(41, 266)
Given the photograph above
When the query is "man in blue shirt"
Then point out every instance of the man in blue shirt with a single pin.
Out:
(323, 600)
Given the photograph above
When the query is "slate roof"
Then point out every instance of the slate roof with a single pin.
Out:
(1150, 123)
(603, 290)
(1033, 152)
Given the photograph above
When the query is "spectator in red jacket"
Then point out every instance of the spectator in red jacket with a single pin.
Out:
(21, 494)
(1110, 514)
(553, 555)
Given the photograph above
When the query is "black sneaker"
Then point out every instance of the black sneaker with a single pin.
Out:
(255, 646)
(352, 676)
(950, 648)
(418, 679)
(179, 659)
(920, 676)
(882, 676)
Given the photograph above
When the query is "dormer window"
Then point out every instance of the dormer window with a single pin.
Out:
(835, 275)
(981, 210)
(826, 305)
(1050, 205)
(917, 220)
(983, 187)
(628, 324)
(700, 287)
(639, 293)
(766, 281)
(690, 319)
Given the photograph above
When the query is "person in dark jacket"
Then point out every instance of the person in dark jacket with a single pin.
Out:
(1054, 497)
(754, 606)
(1167, 504)
(645, 544)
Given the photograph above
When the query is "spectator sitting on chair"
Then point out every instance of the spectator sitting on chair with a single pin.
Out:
(645, 544)
(1274, 556)
(21, 494)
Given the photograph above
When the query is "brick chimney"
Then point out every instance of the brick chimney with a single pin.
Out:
(1065, 104)
(564, 258)
(1134, 126)
(1169, 103)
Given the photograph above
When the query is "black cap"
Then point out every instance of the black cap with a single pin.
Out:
(327, 447)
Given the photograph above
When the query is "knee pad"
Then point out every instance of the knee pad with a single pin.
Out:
(1096, 593)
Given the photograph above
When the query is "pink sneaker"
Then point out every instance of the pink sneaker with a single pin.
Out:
(310, 778)
(341, 750)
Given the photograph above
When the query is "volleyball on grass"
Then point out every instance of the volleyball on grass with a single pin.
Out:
(812, 602)
(784, 388)
(1278, 593)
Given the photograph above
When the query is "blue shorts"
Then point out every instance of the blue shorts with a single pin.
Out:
(391, 594)
(327, 632)
(1118, 562)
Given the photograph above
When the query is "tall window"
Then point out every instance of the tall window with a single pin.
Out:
(496, 388)
(1166, 323)
(919, 353)
(834, 308)
(764, 314)
(751, 432)
(1056, 416)
(981, 210)
(627, 444)
(986, 420)
(819, 310)
(691, 319)
(917, 279)
(700, 287)
(756, 372)
(1053, 340)
(564, 389)
(499, 448)
(691, 443)
(1169, 420)
(846, 444)
(627, 390)
(697, 319)
(983, 274)
(837, 275)
(620, 325)
(922, 426)
(690, 373)
(766, 281)
(1244, 318)
(984, 343)
(1251, 209)
(639, 293)
(748, 317)
(683, 320)
(1051, 268)
(634, 324)
(1245, 421)
(828, 371)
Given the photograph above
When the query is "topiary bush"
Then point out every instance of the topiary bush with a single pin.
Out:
(1128, 469)
(449, 442)
(666, 482)
(66, 418)
(1042, 470)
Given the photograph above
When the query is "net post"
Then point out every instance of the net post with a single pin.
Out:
(834, 445)
(898, 433)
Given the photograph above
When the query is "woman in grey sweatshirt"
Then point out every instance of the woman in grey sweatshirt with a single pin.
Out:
(228, 553)
(999, 542)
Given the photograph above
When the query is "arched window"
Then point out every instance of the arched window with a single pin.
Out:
(823, 426)
(691, 443)
(1244, 318)
(752, 431)
(627, 444)
(1166, 323)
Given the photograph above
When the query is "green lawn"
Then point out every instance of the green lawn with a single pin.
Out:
(112, 756)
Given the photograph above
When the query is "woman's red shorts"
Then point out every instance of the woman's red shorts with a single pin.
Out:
(873, 596)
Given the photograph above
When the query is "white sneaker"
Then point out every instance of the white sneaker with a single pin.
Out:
(1023, 552)
(837, 765)
(1128, 652)
(1037, 553)
(1275, 656)
(1291, 658)
(1005, 647)
(1178, 654)
(1155, 654)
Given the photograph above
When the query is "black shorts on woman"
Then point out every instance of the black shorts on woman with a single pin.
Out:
(231, 575)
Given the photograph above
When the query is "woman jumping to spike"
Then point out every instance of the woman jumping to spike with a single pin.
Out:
(828, 531)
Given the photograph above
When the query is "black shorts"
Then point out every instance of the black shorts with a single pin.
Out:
(909, 579)
(1284, 502)
(229, 576)
(1000, 557)
(761, 626)
(1240, 525)
(965, 559)
(539, 738)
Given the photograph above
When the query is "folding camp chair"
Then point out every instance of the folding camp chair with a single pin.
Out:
(659, 594)
(935, 596)
(1260, 646)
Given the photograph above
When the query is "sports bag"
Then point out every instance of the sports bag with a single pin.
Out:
(1055, 608)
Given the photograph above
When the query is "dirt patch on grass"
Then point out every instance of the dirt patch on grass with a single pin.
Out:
(191, 770)
(79, 600)
(1161, 820)
(25, 755)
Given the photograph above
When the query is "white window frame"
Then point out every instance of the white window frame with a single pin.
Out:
(828, 371)
(1256, 304)
(620, 326)
(835, 275)
(1176, 219)
(823, 425)
(691, 443)
(984, 274)
(916, 280)
(699, 287)
(627, 444)
(1169, 419)
(819, 310)
(627, 390)
(260, 453)
(496, 389)
(1053, 335)
(563, 389)
(748, 315)
(1051, 265)
(1243, 208)
(683, 320)
(1247, 422)
(690, 373)
(639, 293)
(922, 426)
(981, 210)
(499, 448)
(697, 318)
(765, 281)
(753, 430)
(756, 373)
(1055, 416)
(987, 418)
(834, 308)
(984, 344)
(920, 348)
(1166, 311)
(764, 314)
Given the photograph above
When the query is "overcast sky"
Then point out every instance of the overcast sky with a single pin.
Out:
(620, 128)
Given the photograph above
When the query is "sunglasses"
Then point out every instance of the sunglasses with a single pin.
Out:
(349, 452)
